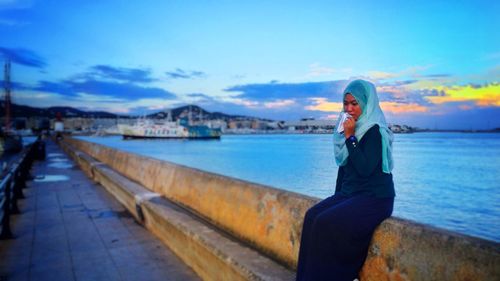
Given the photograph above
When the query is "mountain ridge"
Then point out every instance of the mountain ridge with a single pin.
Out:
(20, 111)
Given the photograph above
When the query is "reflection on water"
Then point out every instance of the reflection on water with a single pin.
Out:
(50, 155)
(58, 159)
(50, 178)
(61, 165)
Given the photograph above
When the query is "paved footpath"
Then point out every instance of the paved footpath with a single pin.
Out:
(71, 229)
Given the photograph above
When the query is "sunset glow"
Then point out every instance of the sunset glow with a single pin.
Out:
(269, 59)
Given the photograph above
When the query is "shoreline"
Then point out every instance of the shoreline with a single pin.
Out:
(457, 131)
(328, 133)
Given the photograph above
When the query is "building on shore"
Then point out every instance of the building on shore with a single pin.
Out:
(311, 125)
(106, 126)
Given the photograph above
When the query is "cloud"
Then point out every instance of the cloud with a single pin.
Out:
(246, 103)
(282, 91)
(199, 95)
(23, 57)
(317, 69)
(396, 98)
(279, 104)
(401, 100)
(200, 98)
(436, 75)
(459, 115)
(485, 95)
(124, 91)
(14, 85)
(402, 92)
(64, 89)
(322, 104)
(147, 106)
(107, 82)
(381, 75)
(184, 74)
(412, 96)
(255, 109)
(400, 108)
(133, 75)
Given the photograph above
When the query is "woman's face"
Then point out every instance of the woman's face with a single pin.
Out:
(352, 107)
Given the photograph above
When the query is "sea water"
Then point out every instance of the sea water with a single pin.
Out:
(448, 180)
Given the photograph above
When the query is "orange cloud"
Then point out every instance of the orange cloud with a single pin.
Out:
(247, 103)
(323, 105)
(488, 95)
(396, 91)
(398, 108)
(279, 103)
(394, 107)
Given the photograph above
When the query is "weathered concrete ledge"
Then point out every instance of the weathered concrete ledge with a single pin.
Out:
(270, 219)
(211, 253)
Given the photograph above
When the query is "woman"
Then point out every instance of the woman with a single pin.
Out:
(337, 231)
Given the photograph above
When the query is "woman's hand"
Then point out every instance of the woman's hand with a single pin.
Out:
(349, 127)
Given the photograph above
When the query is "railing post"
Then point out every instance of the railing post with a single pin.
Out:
(22, 175)
(39, 152)
(17, 191)
(6, 232)
(26, 164)
(16, 182)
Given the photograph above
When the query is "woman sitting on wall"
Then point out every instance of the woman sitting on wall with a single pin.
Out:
(337, 231)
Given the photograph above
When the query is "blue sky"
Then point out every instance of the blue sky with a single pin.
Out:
(436, 64)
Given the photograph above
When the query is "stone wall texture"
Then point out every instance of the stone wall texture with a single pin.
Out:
(270, 220)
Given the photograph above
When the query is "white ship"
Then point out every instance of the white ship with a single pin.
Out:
(150, 128)
(147, 128)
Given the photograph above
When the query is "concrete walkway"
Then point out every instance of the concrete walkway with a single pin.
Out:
(72, 229)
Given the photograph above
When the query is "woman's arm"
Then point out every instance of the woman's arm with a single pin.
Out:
(365, 158)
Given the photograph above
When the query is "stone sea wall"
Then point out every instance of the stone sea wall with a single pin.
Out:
(270, 220)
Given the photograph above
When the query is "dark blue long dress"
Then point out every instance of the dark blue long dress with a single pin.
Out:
(337, 231)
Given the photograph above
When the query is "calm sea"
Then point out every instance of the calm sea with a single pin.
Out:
(448, 180)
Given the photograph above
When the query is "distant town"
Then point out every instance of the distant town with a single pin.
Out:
(31, 119)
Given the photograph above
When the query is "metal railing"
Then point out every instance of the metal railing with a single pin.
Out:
(13, 182)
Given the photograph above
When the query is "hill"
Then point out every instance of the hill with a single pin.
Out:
(198, 113)
(70, 112)
(50, 112)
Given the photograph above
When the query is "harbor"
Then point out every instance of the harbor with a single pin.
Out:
(249, 141)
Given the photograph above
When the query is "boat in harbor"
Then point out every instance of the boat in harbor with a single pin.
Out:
(161, 129)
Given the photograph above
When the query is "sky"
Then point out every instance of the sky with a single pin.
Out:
(435, 64)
